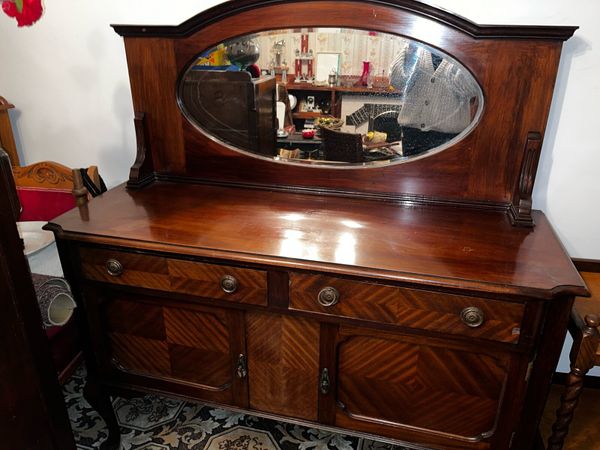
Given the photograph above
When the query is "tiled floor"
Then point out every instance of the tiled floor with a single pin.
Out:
(156, 423)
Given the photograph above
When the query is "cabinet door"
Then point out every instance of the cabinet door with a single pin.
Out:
(388, 384)
(181, 348)
(283, 365)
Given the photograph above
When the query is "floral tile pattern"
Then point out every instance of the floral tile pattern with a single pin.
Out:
(159, 423)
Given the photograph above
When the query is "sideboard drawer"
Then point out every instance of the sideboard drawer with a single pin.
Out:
(175, 275)
(426, 310)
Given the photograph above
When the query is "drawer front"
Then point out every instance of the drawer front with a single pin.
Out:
(172, 275)
(433, 311)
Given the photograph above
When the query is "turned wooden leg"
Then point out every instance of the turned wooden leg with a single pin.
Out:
(582, 360)
(97, 396)
(564, 413)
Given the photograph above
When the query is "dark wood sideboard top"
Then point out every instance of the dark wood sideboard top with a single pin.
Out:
(470, 250)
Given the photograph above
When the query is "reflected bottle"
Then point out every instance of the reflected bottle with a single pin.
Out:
(364, 78)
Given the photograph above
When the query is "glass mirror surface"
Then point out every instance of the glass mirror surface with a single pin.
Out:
(331, 96)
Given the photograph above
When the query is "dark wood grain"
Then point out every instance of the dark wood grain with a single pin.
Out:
(7, 139)
(516, 75)
(283, 356)
(584, 354)
(150, 64)
(385, 381)
(33, 415)
(407, 245)
(328, 355)
(173, 275)
(543, 363)
(190, 346)
(439, 247)
(279, 286)
(408, 307)
(215, 13)
(587, 265)
(520, 211)
(142, 170)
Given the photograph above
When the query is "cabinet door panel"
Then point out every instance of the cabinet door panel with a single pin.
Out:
(283, 365)
(187, 346)
(415, 386)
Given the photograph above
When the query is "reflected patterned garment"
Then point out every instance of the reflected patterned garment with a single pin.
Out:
(437, 97)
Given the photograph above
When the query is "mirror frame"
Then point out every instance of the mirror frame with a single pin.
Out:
(493, 167)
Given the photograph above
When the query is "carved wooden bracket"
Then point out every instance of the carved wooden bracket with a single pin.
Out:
(142, 171)
(520, 210)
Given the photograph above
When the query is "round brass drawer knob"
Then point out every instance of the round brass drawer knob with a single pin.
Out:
(229, 284)
(472, 316)
(114, 267)
(328, 296)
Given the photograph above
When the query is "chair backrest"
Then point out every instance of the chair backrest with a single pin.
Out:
(340, 146)
(7, 139)
(45, 189)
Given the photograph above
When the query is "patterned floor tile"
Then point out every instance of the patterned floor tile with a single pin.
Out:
(242, 438)
(159, 423)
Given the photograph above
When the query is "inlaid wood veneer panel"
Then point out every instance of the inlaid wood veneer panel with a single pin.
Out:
(175, 344)
(139, 270)
(140, 355)
(283, 365)
(172, 275)
(209, 368)
(193, 278)
(413, 308)
(394, 384)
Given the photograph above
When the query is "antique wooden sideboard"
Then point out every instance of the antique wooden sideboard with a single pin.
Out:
(421, 300)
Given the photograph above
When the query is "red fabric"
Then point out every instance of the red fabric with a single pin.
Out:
(44, 204)
(31, 12)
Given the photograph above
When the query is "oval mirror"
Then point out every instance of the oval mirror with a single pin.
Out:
(334, 97)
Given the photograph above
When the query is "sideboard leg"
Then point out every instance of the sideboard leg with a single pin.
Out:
(99, 399)
(564, 413)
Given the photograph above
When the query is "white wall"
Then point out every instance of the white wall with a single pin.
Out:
(67, 75)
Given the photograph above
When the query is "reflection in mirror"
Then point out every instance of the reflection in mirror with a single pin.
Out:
(334, 97)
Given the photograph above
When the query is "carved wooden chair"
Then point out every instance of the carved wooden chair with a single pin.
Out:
(585, 352)
(45, 190)
(341, 146)
(349, 147)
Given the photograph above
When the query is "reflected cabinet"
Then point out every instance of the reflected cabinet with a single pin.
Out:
(410, 99)
(329, 222)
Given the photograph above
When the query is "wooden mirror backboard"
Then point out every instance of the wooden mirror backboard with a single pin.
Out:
(493, 166)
